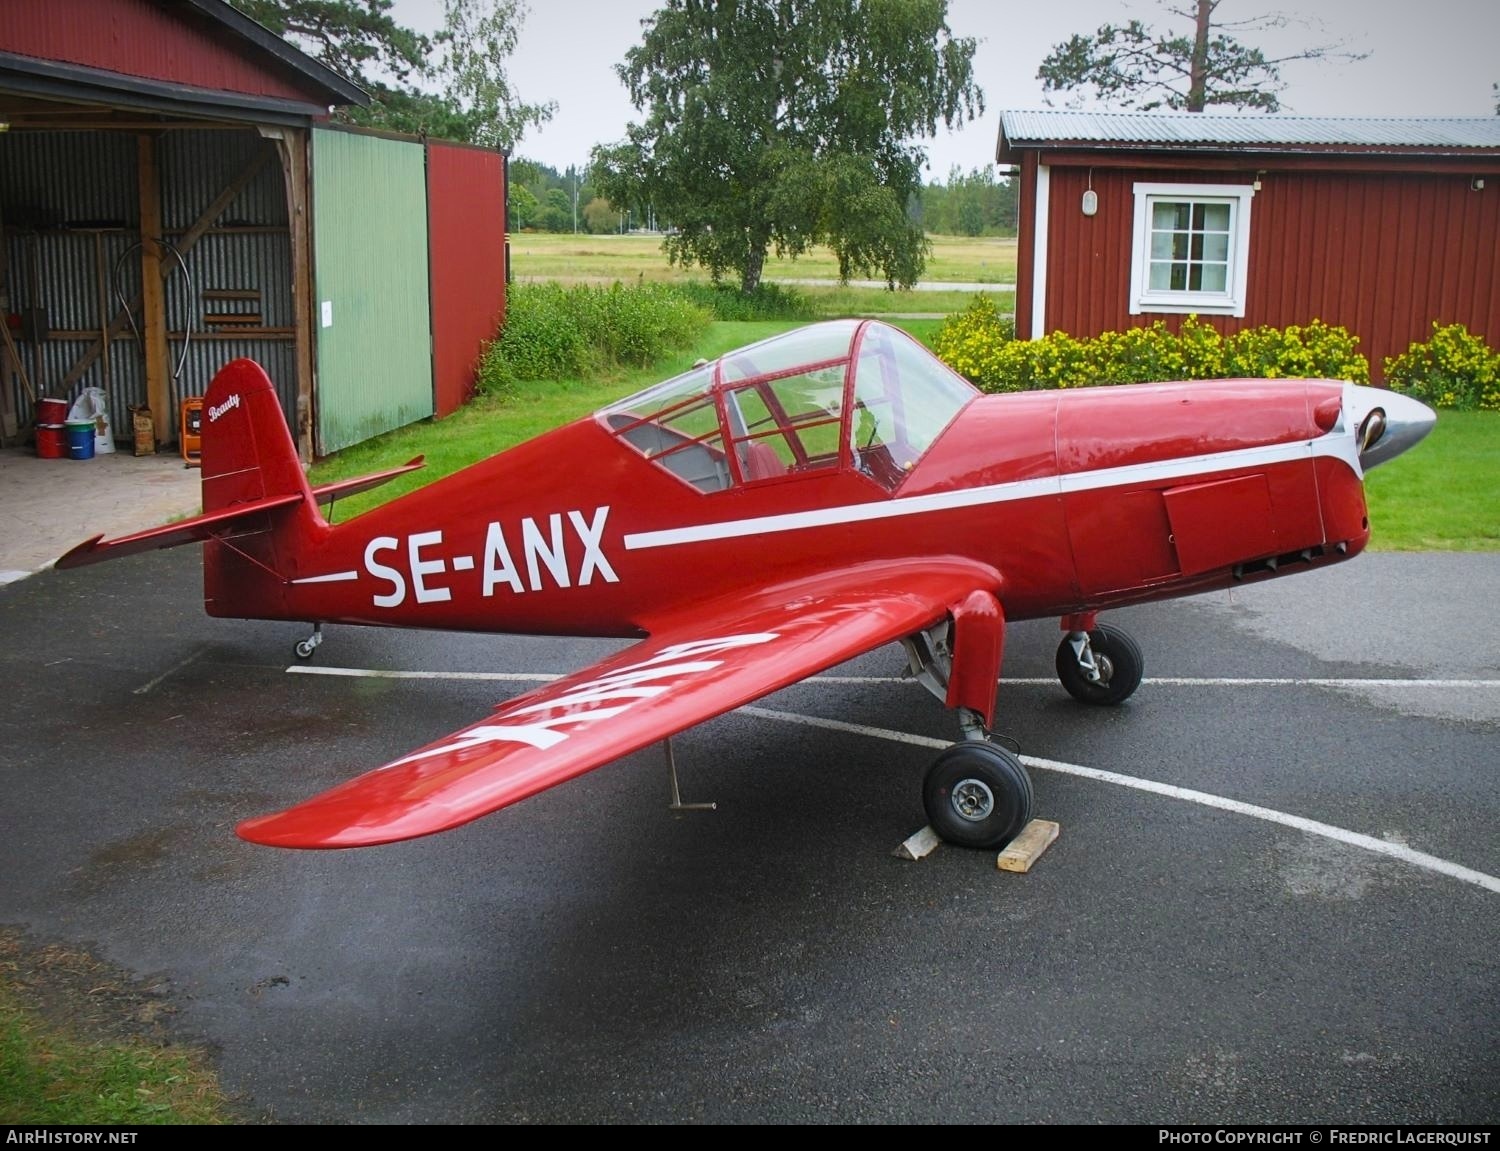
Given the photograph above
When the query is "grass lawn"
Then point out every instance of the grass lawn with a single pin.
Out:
(1444, 494)
(122, 1074)
(492, 423)
(563, 256)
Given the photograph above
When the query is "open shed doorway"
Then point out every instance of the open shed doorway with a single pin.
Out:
(137, 262)
(140, 262)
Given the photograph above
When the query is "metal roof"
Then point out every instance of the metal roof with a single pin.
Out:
(340, 90)
(1250, 131)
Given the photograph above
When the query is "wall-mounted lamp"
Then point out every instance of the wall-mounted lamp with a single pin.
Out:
(1476, 184)
(1255, 187)
(1090, 197)
(4, 125)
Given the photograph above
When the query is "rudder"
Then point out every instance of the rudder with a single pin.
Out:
(249, 456)
(248, 451)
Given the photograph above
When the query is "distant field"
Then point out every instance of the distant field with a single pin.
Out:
(561, 256)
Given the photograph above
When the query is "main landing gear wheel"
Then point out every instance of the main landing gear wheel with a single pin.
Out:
(977, 795)
(1116, 659)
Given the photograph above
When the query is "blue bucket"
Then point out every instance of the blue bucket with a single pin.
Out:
(80, 439)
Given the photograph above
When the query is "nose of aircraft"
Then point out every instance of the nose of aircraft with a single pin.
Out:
(1386, 423)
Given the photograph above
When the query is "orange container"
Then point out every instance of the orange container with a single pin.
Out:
(190, 429)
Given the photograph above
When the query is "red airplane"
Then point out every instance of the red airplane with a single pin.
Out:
(764, 517)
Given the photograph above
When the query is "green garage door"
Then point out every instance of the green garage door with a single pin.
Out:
(370, 309)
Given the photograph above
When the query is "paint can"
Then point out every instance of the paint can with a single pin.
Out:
(80, 439)
(51, 441)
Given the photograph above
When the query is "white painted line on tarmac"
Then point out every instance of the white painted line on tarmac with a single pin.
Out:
(171, 671)
(1167, 681)
(1171, 791)
(1270, 815)
(380, 673)
(1200, 681)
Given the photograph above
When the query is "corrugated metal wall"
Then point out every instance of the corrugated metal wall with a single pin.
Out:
(1382, 254)
(71, 210)
(466, 228)
(248, 250)
(374, 347)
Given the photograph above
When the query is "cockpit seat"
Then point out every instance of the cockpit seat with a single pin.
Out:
(762, 462)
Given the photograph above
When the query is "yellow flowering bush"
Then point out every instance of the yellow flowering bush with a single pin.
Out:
(974, 342)
(1311, 351)
(1454, 369)
(980, 344)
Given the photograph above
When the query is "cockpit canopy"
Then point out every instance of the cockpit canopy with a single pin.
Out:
(852, 394)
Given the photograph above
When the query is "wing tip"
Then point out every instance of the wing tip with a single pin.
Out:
(278, 831)
(85, 553)
(292, 829)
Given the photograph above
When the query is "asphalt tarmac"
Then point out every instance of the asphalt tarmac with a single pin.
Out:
(589, 956)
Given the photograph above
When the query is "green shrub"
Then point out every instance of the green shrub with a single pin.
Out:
(980, 345)
(556, 332)
(1454, 369)
(767, 302)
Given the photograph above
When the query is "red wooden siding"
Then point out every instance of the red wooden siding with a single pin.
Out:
(1383, 254)
(139, 38)
(466, 245)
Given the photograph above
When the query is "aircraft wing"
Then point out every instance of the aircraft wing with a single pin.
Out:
(695, 665)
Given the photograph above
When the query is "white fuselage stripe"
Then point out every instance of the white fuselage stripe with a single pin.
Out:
(331, 577)
(1338, 446)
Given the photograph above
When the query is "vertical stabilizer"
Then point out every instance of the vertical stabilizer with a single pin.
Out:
(248, 451)
(249, 456)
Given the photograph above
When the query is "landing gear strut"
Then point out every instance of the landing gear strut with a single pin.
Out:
(1101, 665)
(976, 793)
(304, 648)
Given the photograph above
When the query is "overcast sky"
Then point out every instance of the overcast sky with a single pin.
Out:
(1427, 58)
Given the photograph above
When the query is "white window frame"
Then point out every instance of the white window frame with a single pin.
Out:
(1227, 303)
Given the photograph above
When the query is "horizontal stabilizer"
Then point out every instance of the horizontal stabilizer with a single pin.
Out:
(207, 526)
(328, 492)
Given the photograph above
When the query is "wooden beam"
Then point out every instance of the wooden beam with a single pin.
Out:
(153, 295)
(184, 245)
(1025, 849)
(222, 201)
(103, 290)
(292, 146)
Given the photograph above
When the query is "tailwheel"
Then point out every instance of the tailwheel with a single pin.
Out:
(977, 795)
(1103, 666)
(304, 648)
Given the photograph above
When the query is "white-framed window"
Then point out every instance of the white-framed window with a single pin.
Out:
(1190, 248)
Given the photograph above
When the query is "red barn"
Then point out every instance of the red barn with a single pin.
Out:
(173, 196)
(1379, 225)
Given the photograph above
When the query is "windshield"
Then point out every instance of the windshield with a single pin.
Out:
(847, 394)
